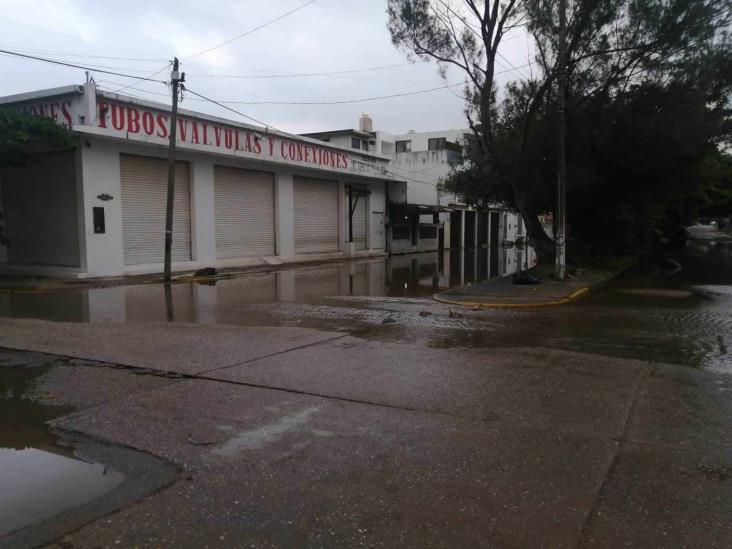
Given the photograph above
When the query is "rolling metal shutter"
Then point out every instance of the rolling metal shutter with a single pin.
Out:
(245, 219)
(144, 196)
(316, 215)
(359, 223)
(41, 211)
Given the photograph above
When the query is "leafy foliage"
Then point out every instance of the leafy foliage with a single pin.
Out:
(648, 87)
(19, 132)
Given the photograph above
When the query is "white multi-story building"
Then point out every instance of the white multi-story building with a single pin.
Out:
(422, 217)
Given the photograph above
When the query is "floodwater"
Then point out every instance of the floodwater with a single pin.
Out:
(38, 477)
(654, 312)
(681, 316)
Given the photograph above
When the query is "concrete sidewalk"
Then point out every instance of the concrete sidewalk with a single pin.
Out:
(296, 438)
(502, 292)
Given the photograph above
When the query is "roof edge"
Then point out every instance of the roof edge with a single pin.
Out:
(41, 94)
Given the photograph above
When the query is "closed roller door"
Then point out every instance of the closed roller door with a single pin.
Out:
(316, 215)
(245, 221)
(41, 211)
(359, 223)
(144, 199)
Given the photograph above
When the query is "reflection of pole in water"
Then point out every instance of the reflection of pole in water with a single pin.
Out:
(169, 302)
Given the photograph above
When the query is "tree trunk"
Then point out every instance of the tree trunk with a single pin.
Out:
(542, 244)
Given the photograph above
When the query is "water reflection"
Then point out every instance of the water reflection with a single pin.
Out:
(38, 478)
(36, 485)
(414, 275)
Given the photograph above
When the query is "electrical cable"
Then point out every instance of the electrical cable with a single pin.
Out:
(87, 55)
(381, 169)
(250, 31)
(302, 74)
(73, 65)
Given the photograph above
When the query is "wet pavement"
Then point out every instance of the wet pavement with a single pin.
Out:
(339, 405)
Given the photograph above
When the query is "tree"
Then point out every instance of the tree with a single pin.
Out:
(19, 133)
(612, 46)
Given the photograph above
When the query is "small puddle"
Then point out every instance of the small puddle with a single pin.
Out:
(36, 485)
(38, 477)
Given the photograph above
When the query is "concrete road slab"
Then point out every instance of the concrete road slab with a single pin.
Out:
(657, 497)
(81, 384)
(538, 387)
(686, 409)
(181, 348)
(278, 469)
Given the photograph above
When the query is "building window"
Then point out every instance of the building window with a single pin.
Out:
(365, 145)
(355, 143)
(427, 232)
(403, 146)
(437, 144)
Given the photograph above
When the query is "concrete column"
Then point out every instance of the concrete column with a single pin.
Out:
(3, 248)
(284, 214)
(99, 176)
(461, 254)
(475, 229)
(462, 229)
(488, 229)
(203, 212)
(286, 286)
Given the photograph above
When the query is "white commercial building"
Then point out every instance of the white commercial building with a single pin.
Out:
(244, 195)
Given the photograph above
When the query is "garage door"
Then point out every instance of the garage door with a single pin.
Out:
(316, 215)
(144, 197)
(40, 205)
(359, 222)
(245, 221)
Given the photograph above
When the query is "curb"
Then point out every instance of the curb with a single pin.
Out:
(563, 301)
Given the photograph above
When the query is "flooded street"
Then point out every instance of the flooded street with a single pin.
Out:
(390, 299)
(269, 396)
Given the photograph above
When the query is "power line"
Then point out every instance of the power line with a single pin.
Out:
(302, 74)
(377, 167)
(134, 84)
(86, 55)
(336, 102)
(251, 30)
(342, 101)
(73, 65)
(223, 106)
(69, 35)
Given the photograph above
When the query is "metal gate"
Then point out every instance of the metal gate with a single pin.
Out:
(244, 209)
(359, 222)
(144, 198)
(41, 211)
(316, 215)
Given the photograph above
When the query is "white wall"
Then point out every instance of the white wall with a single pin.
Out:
(100, 176)
(100, 173)
(420, 139)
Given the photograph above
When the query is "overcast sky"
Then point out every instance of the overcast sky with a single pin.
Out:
(138, 37)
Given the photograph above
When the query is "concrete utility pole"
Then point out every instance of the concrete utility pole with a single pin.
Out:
(560, 262)
(175, 79)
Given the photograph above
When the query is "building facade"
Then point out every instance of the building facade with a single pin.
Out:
(420, 216)
(244, 195)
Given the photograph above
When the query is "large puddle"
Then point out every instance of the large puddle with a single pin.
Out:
(38, 477)
(410, 276)
(681, 317)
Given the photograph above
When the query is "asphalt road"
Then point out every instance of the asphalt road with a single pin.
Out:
(298, 437)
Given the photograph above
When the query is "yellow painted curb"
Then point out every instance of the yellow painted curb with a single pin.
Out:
(571, 297)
